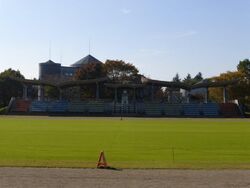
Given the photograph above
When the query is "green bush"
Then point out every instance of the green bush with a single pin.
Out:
(3, 110)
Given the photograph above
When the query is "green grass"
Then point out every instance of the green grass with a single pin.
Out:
(131, 143)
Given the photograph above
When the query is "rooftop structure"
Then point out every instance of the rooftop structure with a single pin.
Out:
(55, 71)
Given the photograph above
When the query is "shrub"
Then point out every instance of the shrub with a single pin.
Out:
(3, 110)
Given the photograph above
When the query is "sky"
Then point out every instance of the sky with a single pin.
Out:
(160, 37)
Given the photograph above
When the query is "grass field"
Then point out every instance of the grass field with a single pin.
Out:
(131, 143)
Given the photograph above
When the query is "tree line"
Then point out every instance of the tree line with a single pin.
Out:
(188, 79)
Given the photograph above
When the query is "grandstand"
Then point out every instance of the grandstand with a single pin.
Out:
(150, 109)
(128, 98)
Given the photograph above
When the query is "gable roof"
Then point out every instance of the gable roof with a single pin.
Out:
(86, 60)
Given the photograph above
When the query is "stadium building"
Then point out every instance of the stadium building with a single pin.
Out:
(137, 98)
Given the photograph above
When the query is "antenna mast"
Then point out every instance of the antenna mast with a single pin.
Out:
(60, 56)
(89, 46)
(49, 50)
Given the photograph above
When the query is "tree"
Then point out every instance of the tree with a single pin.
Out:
(90, 71)
(198, 77)
(244, 66)
(177, 78)
(9, 88)
(188, 79)
(1, 92)
(51, 92)
(191, 81)
(118, 70)
(11, 73)
(240, 91)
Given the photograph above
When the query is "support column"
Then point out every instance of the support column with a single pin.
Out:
(206, 97)
(25, 92)
(78, 93)
(60, 93)
(170, 97)
(224, 95)
(40, 93)
(152, 92)
(188, 97)
(134, 103)
(115, 94)
(134, 97)
(97, 95)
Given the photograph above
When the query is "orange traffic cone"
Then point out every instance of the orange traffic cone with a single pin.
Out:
(102, 163)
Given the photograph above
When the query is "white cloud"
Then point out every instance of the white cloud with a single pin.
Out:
(125, 11)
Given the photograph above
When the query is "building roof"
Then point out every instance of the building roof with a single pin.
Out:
(86, 60)
(215, 84)
(202, 84)
(124, 85)
(145, 81)
(49, 62)
(62, 84)
(165, 83)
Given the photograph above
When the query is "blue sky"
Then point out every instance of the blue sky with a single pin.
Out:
(160, 37)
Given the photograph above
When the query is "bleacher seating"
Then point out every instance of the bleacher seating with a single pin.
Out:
(210, 109)
(192, 109)
(58, 106)
(124, 108)
(146, 108)
(140, 108)
(108, 108)
(153, 109)
(171, 109)
(78, 106)
(229, 110)
(97, 106)
(21, 105)
(39, 106)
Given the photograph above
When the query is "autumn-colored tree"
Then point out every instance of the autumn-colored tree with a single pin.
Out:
(118, 70)
(90, 71)
(240, 91)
